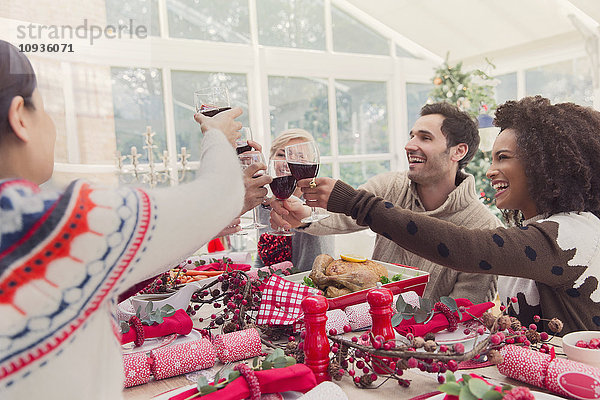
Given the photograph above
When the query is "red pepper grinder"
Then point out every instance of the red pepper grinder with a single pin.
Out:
(380, 300)
(316, 343)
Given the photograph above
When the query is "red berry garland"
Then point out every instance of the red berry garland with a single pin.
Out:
(274, 249)
(136, 324)
(452, 320)
(251, 379)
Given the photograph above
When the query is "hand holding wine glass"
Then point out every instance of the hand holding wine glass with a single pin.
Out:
(282, 186)
(304, 159)
(225, 122)
(318, 194)
(212, 100)
(248, 159)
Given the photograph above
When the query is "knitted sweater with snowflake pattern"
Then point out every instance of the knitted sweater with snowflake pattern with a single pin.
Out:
(561, 253)
(65, 256)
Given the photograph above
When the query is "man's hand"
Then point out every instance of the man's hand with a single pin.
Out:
(255, 190)
(233, 227)
(288, 213)
(223, 121)
(317, 196)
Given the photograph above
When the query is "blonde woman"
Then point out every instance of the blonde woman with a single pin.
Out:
(304, 247)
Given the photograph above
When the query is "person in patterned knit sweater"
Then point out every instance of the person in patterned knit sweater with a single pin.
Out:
(545, 171)
(64, 256)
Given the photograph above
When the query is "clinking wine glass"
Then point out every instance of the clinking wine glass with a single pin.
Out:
(247, 159)
(212, 100)
(241, 144)
(303, 159)
(282, 186)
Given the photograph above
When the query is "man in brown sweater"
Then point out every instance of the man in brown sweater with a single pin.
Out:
(442, 141)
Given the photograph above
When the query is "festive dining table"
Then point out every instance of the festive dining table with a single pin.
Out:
(422, 383)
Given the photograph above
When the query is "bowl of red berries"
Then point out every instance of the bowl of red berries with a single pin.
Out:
(583, 346)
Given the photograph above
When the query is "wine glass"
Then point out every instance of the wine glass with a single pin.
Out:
(247, 159)
(212, 100)
(282, 186)
(241, 144)
(303, 159)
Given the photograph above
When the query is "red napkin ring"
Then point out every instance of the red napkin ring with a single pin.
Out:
(251, 379)
(137, 326)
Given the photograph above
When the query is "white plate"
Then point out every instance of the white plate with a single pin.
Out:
(459, 336)
(536, 395)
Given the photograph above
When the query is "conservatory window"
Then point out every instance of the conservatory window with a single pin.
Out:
(564, 81)
(300, 103)
(142, 12)
(357, 173)
(362, 117)
(506, 89)
(138, 103)
(93, 107)
(352, 36)
(416, 96)
(222, 21)
(291, 23)
(184, 84)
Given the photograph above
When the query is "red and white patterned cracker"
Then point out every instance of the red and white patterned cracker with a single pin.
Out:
(137, 369)
(336, 319)
(238, 345)
(559, 375)
(358, 316)
(281, 302)
(182, 358)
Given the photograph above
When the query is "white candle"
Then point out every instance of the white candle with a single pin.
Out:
(133, 151)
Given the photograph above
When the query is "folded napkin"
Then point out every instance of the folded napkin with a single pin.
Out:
(439, 322)
(168, 361)
(179, 322)
(281, 302)
(297, 377)
(559, 375)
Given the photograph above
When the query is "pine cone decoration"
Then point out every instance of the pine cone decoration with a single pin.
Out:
(503, 322)
(488, 320)
(430, 346)
(334, 371)
(229, 327)
(366, 380)
(429, 336)
(555, 325)
(291, 348)
(299, 356)
(515, 324)
(494, 356)
(533, 336)
(418, 342)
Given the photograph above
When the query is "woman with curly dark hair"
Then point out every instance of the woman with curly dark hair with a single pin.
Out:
(545, 168)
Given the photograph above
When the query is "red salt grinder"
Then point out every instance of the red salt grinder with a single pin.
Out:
(316, 343)
(380, 300)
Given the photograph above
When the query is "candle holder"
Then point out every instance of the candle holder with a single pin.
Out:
(152, 173)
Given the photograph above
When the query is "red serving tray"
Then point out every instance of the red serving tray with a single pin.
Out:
(417, 282)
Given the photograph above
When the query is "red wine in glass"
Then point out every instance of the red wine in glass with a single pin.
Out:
(303, 170)
(243, 149)
(211, 112)
(283, 186)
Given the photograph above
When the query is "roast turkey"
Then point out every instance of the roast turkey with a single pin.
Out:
(338, 277)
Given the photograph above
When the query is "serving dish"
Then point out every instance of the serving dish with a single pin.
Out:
(579, 354)
(413, 279)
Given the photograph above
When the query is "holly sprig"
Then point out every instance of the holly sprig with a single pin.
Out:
(470, 388)
(424, 312)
